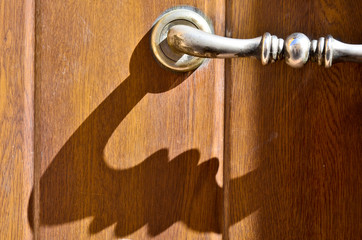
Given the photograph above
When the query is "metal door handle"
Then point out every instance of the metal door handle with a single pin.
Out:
(186, 31)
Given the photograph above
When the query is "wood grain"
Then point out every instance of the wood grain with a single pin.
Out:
(124, 149)
(16, 116)
(293, 136)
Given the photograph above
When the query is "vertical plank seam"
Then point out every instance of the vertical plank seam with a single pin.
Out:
(28, 124)
(226, 154)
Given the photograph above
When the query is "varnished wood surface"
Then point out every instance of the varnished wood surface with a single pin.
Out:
(123, 148)
(293, 136)
(16, 117)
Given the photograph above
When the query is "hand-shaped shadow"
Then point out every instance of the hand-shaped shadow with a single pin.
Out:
(158, 192)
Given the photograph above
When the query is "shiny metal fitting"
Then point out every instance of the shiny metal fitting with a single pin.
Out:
(165, 53)
(182, 38)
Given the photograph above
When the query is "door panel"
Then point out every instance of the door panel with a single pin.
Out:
(16, 117)
(124, 148)
(118, 147)
(293, 136)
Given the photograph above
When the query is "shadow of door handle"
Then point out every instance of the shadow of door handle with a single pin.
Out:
(184, 43)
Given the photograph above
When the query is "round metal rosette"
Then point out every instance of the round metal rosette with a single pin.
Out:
(164, 54)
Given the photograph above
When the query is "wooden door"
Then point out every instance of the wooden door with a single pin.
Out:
(293, 136)
(98, 141)
(124, 149)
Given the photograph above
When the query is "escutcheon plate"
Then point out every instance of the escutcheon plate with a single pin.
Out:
(167, 56)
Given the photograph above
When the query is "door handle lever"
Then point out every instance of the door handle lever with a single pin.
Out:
(185, 37)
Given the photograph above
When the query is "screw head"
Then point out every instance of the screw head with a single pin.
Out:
(296, 50)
